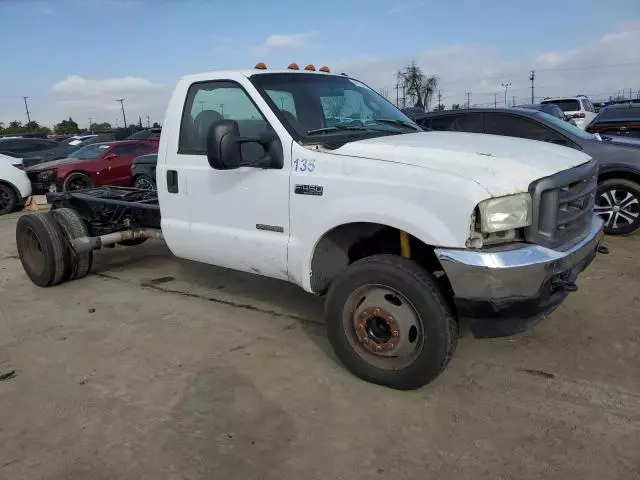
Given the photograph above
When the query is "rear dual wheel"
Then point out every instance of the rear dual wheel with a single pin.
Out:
(43, 241)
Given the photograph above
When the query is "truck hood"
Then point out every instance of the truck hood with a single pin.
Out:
(502, 165)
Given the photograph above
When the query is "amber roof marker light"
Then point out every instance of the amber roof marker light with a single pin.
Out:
(293, 66)
(325, 69)
(310, 68)
(260, 66)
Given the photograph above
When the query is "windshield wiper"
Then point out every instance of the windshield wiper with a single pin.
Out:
(400, 123)
(335, 129)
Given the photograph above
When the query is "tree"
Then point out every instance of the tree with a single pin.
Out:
(384, 91)
(66, 127)
(439, 108)
(32, 126)
(15, 125)
(418, 86)
(100, 127)
(455, 106)
(335, 106)
(156, 125)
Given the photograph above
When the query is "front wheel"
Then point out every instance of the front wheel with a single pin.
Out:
(618, 204)
(144, 183)
(77, 181)
(8, 199)
(389, 323)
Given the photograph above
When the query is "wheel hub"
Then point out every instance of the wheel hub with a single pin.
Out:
(377, 330)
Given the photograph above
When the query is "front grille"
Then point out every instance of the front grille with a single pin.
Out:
(563, 206)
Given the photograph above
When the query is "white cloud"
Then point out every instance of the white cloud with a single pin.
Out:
(96, 98)
(291, 41)
(77, 85)
(599, 69)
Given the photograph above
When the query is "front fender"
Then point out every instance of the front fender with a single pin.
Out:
(403, 215)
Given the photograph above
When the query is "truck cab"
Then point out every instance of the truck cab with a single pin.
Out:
(314, 178)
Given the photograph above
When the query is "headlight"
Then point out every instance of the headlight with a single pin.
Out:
(505, 213)
(46, 175)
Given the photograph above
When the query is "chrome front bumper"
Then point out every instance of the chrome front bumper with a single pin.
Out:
(505, 290)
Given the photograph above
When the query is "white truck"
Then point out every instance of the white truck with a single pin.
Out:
(314, 178)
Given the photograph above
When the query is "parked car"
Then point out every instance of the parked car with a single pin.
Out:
(94, 165)
(143, 172)
(14, 183)
(551, 109)
(578, 108)
(618, 195)
(31, 150)
(620, 120)
(148, 134)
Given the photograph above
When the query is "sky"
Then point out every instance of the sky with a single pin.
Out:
(76, 57)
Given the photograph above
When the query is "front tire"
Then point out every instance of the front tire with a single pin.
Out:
(77, 181)
(8, 199)
(618, 204)
(389, 323)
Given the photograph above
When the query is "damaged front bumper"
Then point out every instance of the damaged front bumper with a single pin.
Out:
(506, 290)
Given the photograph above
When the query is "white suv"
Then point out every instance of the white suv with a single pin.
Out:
(578, 108)
(14, 183)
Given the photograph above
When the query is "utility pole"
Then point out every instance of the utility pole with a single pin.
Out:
(26, 106)
(90, 123)
(513, 104)
(148, 123)
(398, 95)
(532, 78)
(121, 100)
(468, 100)
(439, 98)
(506, 87)
(404, 98)
(495, 100)
(630, 94)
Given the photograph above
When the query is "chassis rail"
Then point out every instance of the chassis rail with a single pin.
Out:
(111, 209)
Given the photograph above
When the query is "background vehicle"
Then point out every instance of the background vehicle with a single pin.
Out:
(148, 134)
(396, 225)
(94, 165)
(621, 120)
(143, 171)
(14, 184)
(618, 196)
(31, 150)
(578, 108)
(551, 109)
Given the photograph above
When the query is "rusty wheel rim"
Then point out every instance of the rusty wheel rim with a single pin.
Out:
(383, 326)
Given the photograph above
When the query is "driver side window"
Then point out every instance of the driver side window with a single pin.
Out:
(349, 107)
(210, 102)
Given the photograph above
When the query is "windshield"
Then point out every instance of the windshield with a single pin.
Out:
(330, 109)
(566, 105)
(567, 127)
(89, 152)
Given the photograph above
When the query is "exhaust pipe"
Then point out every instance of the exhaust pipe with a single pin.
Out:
(86, 244)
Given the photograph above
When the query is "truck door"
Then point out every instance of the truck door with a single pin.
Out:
(237, 218)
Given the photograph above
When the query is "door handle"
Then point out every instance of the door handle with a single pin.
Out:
(172, 181)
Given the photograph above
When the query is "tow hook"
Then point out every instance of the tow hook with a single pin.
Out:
(603, 250)
(565, 285)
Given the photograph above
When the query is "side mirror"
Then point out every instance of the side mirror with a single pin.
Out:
(223, 146)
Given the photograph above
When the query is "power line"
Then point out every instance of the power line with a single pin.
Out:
(26, 106)
(532, 77)
(121, 100)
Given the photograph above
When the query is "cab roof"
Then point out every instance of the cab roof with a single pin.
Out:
(199, 77)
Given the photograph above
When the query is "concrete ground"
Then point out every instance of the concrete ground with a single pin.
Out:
(154, 368)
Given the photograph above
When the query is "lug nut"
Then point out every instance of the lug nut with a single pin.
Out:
(378, 348)
(395, 333)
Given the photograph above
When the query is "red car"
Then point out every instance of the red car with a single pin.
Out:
(92, 166)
